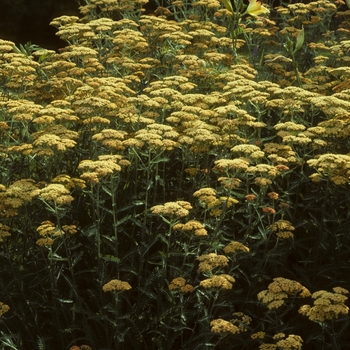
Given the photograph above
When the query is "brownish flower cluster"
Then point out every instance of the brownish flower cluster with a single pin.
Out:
(223, 327)
(335, 167)
(234, 247)
(116, 286)
(291, 342)
(192, 226)
(179, 284)
(3, 308)
(49, 232)
(16, 195)
(178, 209)
(209, 261)
(283, 229)
(4, 232)
(281, 289)
(222, 281)
(327, 305)
(56, 193)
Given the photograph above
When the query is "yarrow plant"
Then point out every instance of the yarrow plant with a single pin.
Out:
(177, 177)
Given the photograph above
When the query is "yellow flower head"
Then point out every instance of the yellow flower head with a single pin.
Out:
(255, 8)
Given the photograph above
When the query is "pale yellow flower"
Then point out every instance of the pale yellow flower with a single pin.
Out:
(255, 9)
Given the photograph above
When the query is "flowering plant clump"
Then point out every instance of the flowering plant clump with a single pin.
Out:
(177, 177)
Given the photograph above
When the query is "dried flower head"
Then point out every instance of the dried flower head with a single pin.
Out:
(18, 193)
(273, 195)
(45, 242)
(268, 210)
(192, 226)
(223, 327)
(179, 284)
(69, 182)
(209, 261)
(291, 342)
(222, 281)
(178, 209)
(241, 320)
(234, 247)
(281, 289)
(283, 228)
(226, 165)
(111, 138)
(4, 232)
(94, 170)
(230, 183)
(206, 195)
(327, 305)
(3, 308)
(116, 285)
(334, 166)
(250, 197)
(56, 193)
(249, 151)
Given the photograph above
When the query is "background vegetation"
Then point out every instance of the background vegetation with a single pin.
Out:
(177, 180)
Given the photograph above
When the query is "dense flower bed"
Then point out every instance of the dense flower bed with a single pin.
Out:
(178, 180)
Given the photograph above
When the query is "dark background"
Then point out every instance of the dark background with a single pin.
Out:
(22, 21)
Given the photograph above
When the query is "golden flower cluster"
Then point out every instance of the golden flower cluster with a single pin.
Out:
(178, 209)
(179, 284)
(69, 183)
(229, 183)
(4, 232)
(258, 335)
(49, 232)
(279, 153)
(56, 193)
(231, 165)
(6, 46)
(53, 138)
(334, 166)
(111, 139)
(207, 197)
(283, 229)
(200, 136)
(279, 290)
(234, 247)
(3, 308)
(223, 327)
(222, 281)
(249, 151)
(209, 261)
(292, 342)
(16, 195)
(241, 320)
(267, 170)
(156, 136)
(102, 167)
(116, 285)
(327, 305)
(192, 226)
